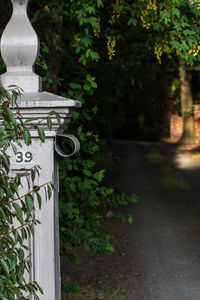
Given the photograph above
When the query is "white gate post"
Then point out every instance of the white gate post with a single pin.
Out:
(19, 50)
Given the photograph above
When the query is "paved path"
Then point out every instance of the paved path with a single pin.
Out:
(164, 263)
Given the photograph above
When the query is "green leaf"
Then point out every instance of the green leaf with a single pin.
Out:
(1, 193)
(57, 117)
(49, 123)
(75, 86)
(176, 12)
(11, 115)
(3, 143)
(39, 199)
(188, 32)
(87, 87)
(39, 288)
(87, 172)
(30, 120)
(41, 134)
(27, 137)
(20, 254)
(132, 21)
(93, 84)
(100, 3)
(109, 248)
(18, 212)
(18, 143)
(33, 175)
(29, 203)
(130, 219)
(7, 125)
(5, 266)
(99, 175)
(49, 192)
(14, 149)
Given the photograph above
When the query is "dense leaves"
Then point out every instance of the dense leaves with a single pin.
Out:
(105, 55)
(85, 202)
(17, 219)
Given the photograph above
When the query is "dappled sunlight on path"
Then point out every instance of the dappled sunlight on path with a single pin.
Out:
(186, 161)
(167, 220)
(158, 256)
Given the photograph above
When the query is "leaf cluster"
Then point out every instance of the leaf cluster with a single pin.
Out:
(17, 220)
(70, 39)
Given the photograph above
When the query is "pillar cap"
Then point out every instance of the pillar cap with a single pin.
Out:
(40, 105)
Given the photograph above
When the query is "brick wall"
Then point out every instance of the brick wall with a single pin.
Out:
(176, 124)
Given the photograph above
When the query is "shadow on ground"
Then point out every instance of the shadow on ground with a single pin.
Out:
(157, 257)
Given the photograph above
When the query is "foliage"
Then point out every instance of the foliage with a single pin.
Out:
(105, 57)
(175, 25)
(17, 219)
(70, 288)
(88, 202)
(83, 198)
(102, 45)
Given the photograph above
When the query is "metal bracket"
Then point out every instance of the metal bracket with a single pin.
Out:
(66, 138)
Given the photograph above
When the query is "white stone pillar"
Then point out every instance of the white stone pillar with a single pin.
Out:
(19, 49)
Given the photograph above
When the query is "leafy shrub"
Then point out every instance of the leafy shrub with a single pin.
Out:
(17, 219)
(85, 201)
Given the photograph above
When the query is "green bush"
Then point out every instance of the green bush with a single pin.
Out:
(17, 219)
(85, 201)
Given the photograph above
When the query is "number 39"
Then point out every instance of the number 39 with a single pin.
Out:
(22, 157)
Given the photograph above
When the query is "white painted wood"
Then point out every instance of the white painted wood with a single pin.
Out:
(45, 242)
(19, 49)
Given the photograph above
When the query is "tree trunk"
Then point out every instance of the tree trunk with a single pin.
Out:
(189, 134)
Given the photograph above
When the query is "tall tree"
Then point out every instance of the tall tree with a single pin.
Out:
(189, 134)
(176, 22)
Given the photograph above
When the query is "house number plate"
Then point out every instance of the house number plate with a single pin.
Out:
(24, 157)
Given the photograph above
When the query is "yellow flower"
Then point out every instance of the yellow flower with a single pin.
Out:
(195, 50)
(116, 13)
(98, 28)
(158, 51)
(111, 43)
(151, 6)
